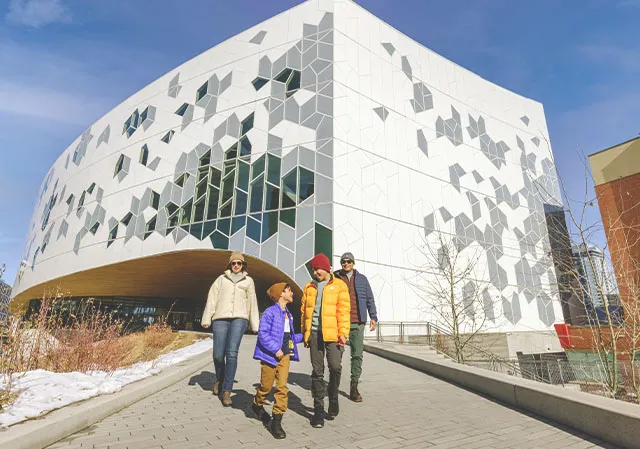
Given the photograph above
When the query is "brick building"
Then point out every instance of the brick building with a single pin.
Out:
(616, 174)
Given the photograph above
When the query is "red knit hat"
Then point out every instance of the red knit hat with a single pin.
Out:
(321, 261)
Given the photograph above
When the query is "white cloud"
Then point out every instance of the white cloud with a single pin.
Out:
(37, 13)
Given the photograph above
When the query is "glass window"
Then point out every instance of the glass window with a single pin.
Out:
(119, 165)
(113, 234)
(219, 240)
(238, 223)
(91, 188)
(289, 188)
(127, 218)
(227, 188)
(269, 224)
(144, 154)
(258, 167)
(167, 137)
(324, 241)
(94, 228)
(224, 226)
(70, 199)
(205, 159)
(81, 202)
(273, 172)
(182, 109)
(171, 209)
(198, 211)
(154, 200)
(254, 228)
(182, 179)
(144, 114)
(229, 167)
(283, 76)
(196, 230)
(216, 176)
(288, 216)
(201, 188)
(257, 189)
(258, 83)
(232, 152)
(306, 185)
(185, 216)
(294, 83)
(225, 210)
(271, 197)
(212, 210)
(247, 124)
(151, 226)
(202, 91)
(208, 228)
(241, 203)
(243, 176)
(173, 222)
(245, 146)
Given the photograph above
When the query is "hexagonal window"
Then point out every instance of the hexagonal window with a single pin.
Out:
(131, 124)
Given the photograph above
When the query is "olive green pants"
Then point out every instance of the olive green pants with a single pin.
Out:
(356, 342)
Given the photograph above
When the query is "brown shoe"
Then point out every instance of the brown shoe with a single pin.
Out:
(216, 388)
(354, 395)
(226, 399)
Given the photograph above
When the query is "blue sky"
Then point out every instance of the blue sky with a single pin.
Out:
(64, 63)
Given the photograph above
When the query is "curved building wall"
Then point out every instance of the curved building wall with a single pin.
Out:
(322, 129)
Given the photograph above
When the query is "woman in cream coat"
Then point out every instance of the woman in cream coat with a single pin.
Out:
(231, 306)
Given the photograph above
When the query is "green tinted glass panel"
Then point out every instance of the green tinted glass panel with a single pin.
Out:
(224, 226)
(247, 124)
(201, 189)
(229, 167)
(245, 146)
(241, 203)
(238, 223)
(324, 241)
(232, 152)
(173, 222)
(185, 216)
(269, 225)
(289, 188)
(243, 176)
(258, 167)
(205, 159)
(155, 200)
(306, 186)
(216, 176)
(208, 228)
(202, 91)
(257, 189)
(273, 173)
(202, 173)
(288, 216)
(272, 197)
(219, 240)
(196, 230)
(225, 211)
(182, 179)
(253, 228)
(212, 209)
(227, 189)
(198, 210)
(171, 208)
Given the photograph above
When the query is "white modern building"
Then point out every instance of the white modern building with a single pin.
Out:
(322, 129)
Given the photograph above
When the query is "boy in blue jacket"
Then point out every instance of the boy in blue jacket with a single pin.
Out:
(275, 348)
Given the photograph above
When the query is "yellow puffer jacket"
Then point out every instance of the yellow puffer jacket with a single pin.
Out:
(335, 310)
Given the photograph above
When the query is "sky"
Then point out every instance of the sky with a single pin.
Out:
(65, 63)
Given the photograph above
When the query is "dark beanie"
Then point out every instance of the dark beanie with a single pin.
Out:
(321, 261)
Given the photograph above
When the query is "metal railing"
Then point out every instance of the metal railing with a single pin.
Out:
(426, 333)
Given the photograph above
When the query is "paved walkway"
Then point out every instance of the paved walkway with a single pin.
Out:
(402, 408)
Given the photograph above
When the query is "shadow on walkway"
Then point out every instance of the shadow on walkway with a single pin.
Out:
(205, 379)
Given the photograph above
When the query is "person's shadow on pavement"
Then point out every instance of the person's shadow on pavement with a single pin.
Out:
(205, 379)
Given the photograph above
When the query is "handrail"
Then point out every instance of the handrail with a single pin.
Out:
(491, 357)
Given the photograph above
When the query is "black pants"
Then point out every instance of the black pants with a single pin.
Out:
(333, 353)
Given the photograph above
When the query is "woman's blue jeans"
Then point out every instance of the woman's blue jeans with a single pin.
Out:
(227, 335)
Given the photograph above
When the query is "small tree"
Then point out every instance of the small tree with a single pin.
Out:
(452, 290)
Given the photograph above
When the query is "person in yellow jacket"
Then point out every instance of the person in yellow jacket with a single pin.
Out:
(326, 308)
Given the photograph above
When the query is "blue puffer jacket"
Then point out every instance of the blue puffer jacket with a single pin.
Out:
(271, 335)
(366, 303)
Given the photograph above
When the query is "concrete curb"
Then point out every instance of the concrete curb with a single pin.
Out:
(61, 423)
(614, 422)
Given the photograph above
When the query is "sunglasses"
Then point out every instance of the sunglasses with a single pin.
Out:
(346, 261)
(236, 263)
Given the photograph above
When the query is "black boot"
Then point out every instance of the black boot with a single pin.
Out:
(276, 427)
(355, 395)
(260, 413)
(318, 418)
(334, 408)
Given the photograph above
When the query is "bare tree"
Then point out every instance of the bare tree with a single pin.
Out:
(453, 291)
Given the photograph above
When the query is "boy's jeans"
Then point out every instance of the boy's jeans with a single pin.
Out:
(227, 335)
(280, 374)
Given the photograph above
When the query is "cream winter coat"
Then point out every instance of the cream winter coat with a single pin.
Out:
(227, 299)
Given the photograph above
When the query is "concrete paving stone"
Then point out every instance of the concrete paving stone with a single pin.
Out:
(402, 409)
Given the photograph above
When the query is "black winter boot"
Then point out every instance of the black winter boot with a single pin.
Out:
(261, 413)
(276, 427)
(334, 408)
(318, 418)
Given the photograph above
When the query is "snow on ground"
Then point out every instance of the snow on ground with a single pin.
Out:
(42, 391)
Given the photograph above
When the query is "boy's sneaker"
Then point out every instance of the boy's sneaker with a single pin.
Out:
(318, 418)
(261, 413)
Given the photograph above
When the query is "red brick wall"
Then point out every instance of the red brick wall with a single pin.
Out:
(619, 203)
